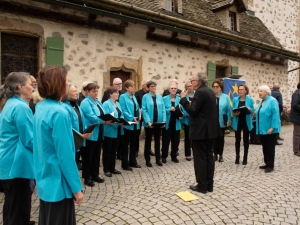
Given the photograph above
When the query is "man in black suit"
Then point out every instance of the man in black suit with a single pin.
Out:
(166, 92)
(203, 131)
(117, 83)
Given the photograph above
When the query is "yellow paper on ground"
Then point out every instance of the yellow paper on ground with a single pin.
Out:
(187, 196)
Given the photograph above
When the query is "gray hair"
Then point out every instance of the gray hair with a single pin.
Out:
(144, 82)
(202, 77)
(276, 86)
(10, 86)
(172, 84)
(117, 80)
(265, 88)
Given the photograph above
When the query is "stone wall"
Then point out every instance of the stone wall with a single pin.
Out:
(90, 54)
(282, 17)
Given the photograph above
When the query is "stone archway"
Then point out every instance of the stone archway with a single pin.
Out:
(115, 63)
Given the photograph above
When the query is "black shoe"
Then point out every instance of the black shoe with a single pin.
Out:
(280, 138)
(244, 162)
(159, 163)
(175, 160)
(136, 166)
(31, 222)
(269, 170)
(127, 168)
(164, 160)
(237, 160)
(210, 187)
(116, 172)
(188, 158)
(148, 163)
(108, 174)
(89, 182)
(221, 159)
(152, 153)
(98, 179)
(197, 188)
(216, 157)
(263, 167)
(277, 143)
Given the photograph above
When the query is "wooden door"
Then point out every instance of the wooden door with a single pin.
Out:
(119, 74)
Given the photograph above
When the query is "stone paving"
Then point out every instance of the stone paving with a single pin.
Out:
(242, 194)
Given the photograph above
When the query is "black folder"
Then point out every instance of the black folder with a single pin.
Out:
(125, 122)
(107, 117)
(90, 128)
(243, 110)
(159, 124)
(78, 140)
(178, 111)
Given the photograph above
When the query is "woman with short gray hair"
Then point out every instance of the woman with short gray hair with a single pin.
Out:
(16, 158)
(267, 125)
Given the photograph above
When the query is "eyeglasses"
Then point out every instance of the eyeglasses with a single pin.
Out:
(216, 86)
(173, 88)
(152, 86)
(118, 84)
(192, 80)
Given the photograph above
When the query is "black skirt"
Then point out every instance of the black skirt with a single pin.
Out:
(58, 213)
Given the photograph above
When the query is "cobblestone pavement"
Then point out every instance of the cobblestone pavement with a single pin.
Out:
(242, 194)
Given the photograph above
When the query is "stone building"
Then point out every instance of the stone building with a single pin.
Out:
(143, 39)
(283, 19)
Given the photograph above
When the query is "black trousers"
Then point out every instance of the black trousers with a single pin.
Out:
(119, 150)
(246, 132)
(204, 163)
(171, 135)
(110, 148)
(156, 131)
(219, 144)
(187, 141)
(58, 213)
(268, 146)
(17, 201)
(91, 159)
(137, 138)
(129, 143)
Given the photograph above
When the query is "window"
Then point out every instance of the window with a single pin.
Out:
(220, 72)
(172, 5)
(18, 54)
(232, 16)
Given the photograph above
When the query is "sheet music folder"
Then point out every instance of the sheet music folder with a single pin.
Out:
(159, 124)
(243, 110)
(78, 140)
(90, 128)
(107, 117)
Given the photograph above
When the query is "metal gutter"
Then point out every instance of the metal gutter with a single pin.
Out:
(82, 7)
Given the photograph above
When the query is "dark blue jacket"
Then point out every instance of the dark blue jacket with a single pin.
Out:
(278, 96)
(295, 108)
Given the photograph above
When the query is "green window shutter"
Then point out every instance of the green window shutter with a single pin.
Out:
(234, 70)
(54, 51)
(211, 73)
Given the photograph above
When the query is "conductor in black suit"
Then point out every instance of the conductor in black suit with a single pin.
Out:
(203, 131)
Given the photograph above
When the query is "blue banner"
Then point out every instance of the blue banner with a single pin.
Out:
(231, 88)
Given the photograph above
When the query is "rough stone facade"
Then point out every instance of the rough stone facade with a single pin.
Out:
(282, 17)
(90, 54)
